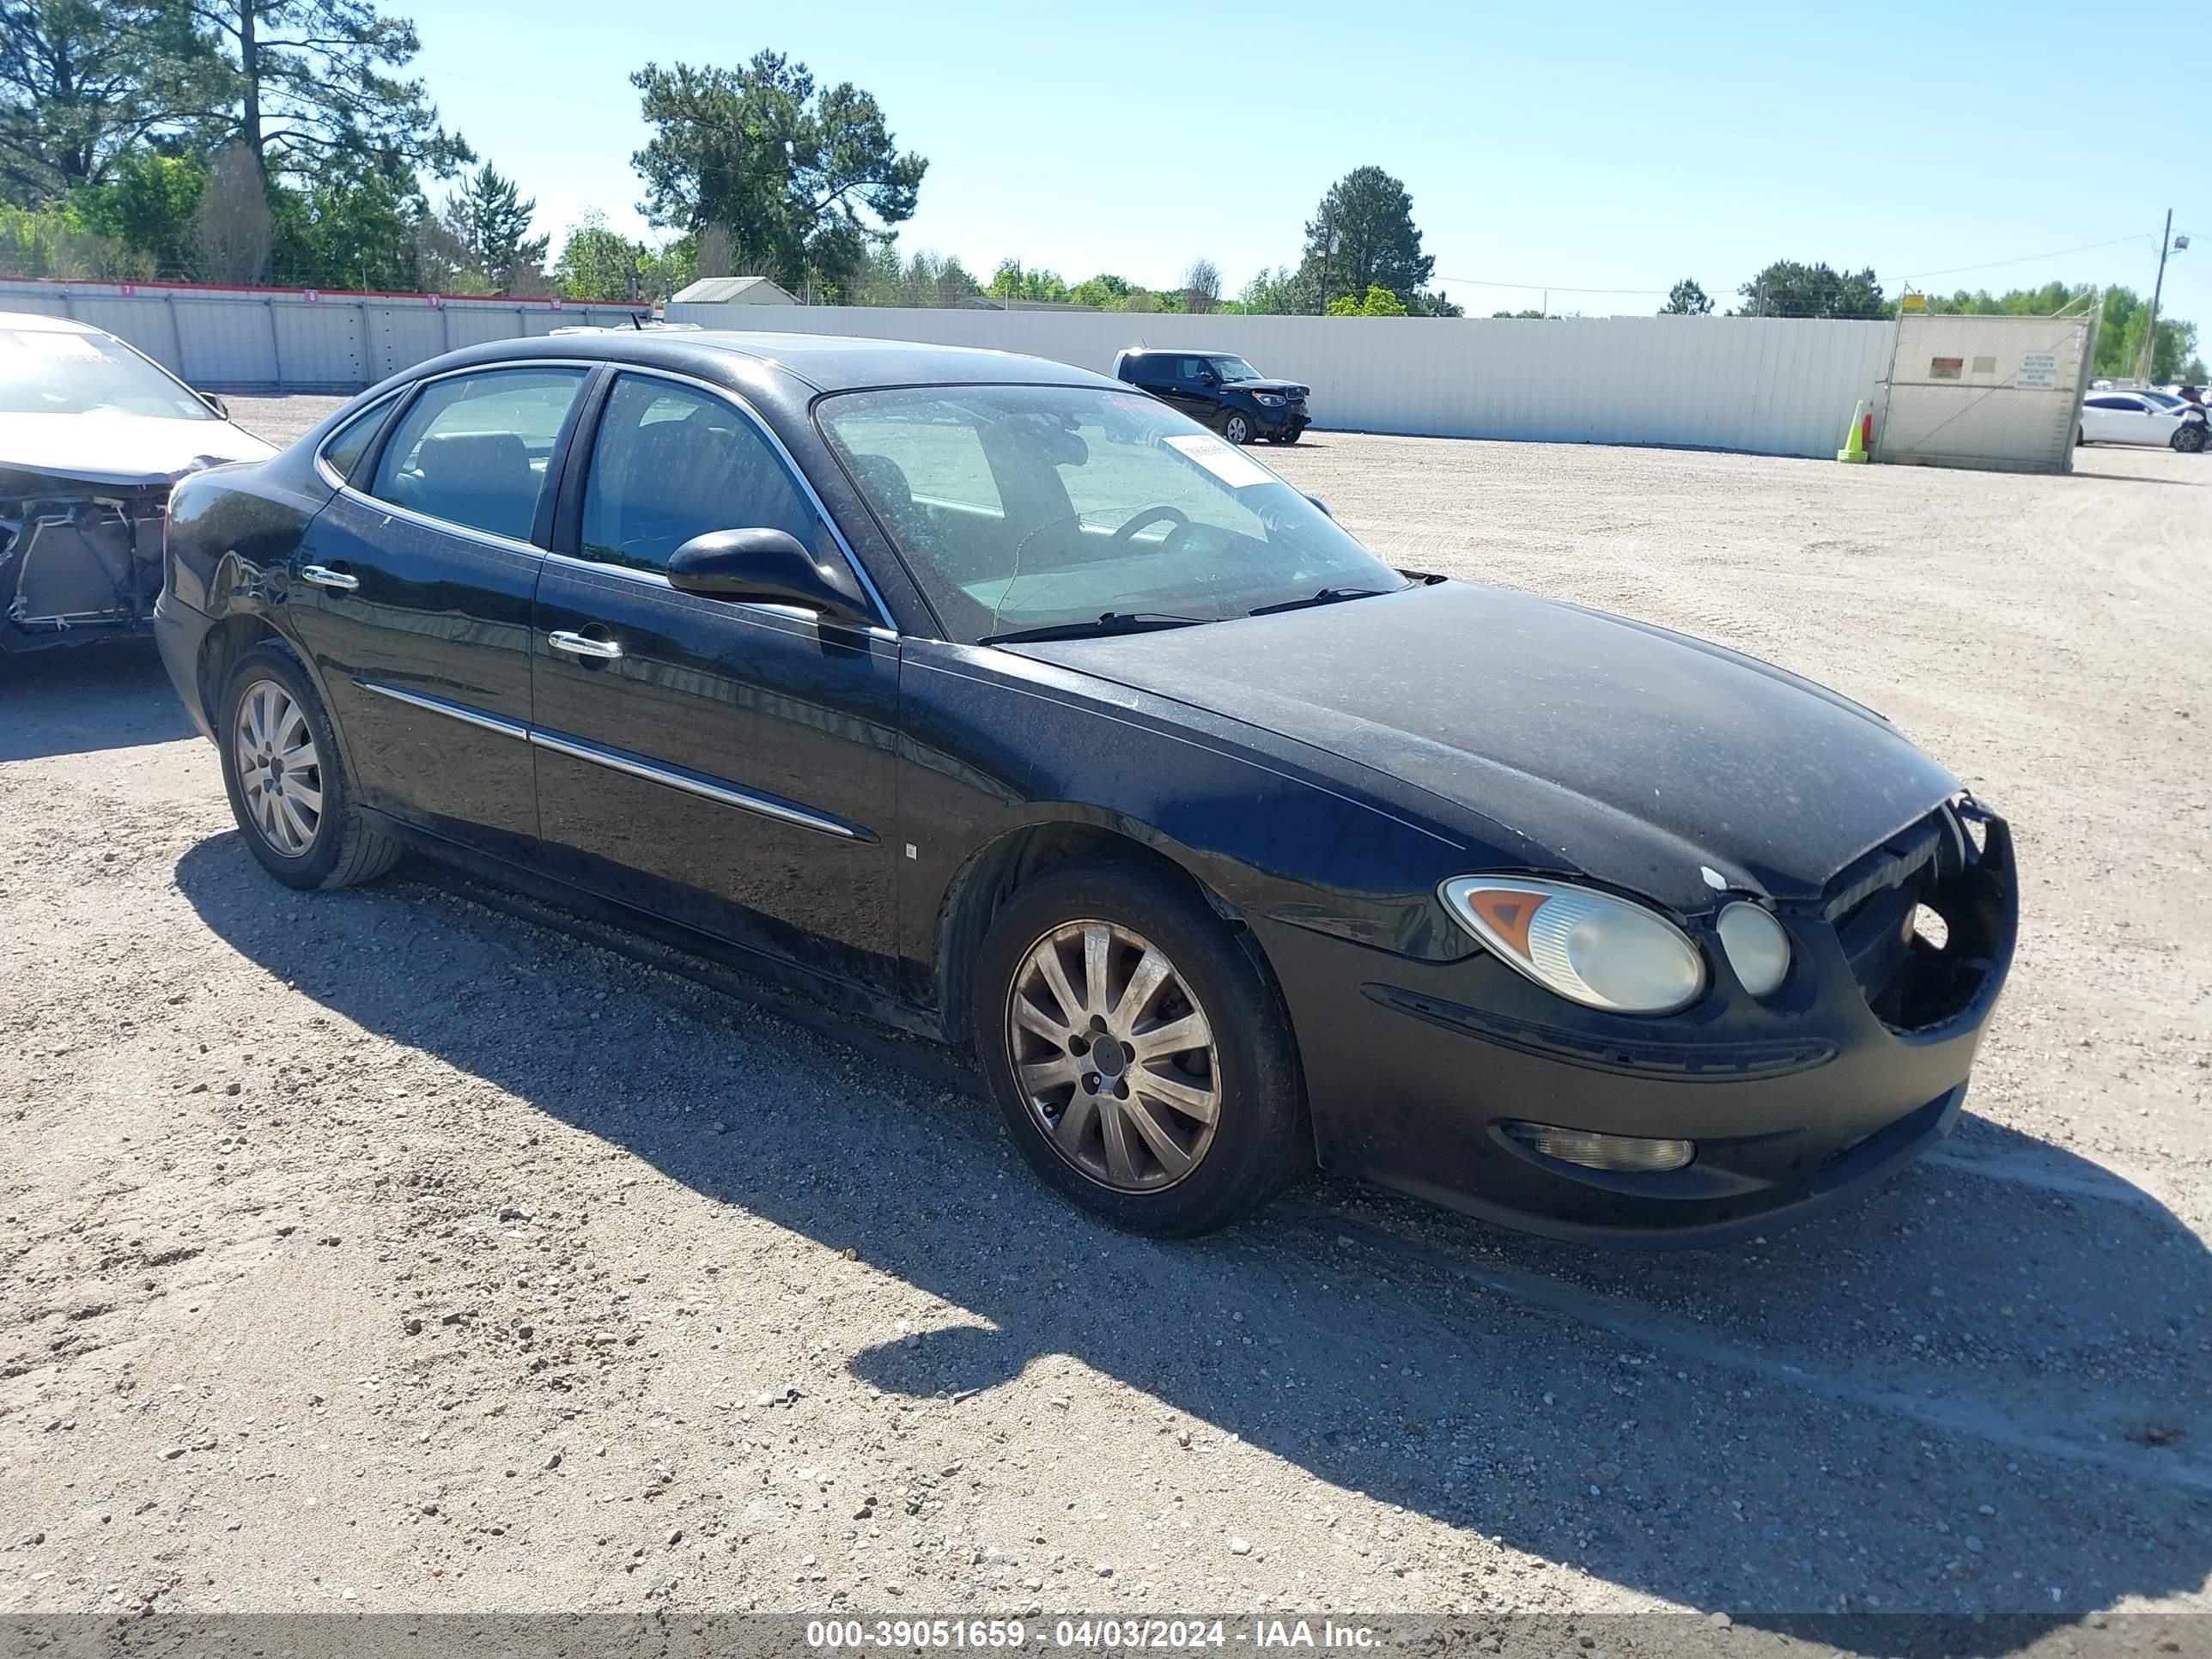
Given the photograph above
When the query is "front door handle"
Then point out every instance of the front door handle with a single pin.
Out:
(323, 576)
(578, 644)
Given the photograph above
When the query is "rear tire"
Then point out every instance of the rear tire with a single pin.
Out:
(1236, 427)
(1108, 1121)
(287, 781)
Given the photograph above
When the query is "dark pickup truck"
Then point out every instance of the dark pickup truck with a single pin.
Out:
(1220, 389)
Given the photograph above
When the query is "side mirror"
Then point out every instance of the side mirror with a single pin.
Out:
(763, 567)
(1320, 503)
(213, 402)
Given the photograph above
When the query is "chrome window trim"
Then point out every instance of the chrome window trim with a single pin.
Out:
(328, 473)
(458, 711)
(692, 783)
(790, 466)
(488, 538)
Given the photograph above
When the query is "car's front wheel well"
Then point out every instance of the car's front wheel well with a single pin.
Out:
(994, 872)
(226, 642)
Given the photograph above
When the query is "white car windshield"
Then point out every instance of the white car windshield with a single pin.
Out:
(49, 371)
(1022, 507)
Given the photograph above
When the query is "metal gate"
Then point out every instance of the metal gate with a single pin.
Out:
(1988, 392)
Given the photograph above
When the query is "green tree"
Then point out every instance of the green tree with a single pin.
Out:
(1378, 301)
(1522, 316)
(806, 180)
(1362, 235)
(1280, 293)
(309, 84)
(1010, 281)
(1687, 299)
(148, 203)
(597, 263)
(1104, 292)
(83, 82)
(491, 218)
(354, 226)
(1787, 288)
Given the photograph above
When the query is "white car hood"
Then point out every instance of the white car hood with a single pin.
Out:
(121, 449)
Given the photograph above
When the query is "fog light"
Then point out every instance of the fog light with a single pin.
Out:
(1631, 1154)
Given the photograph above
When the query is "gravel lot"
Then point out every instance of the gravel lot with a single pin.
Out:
(390, 1250)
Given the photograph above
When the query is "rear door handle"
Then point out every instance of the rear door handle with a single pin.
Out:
(578, 644)
(323, 576)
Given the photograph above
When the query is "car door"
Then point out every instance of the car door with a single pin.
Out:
(1197, 389)
(411, 591)
(725, 765)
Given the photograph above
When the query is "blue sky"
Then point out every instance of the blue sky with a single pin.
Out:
(1590, 148)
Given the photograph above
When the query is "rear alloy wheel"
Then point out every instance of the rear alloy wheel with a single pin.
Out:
(1236, 427)
(1137, 1050)
(286, 779)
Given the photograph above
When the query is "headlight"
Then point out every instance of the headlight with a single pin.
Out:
(1590, 947)
(1268, 398)
(1757, 947)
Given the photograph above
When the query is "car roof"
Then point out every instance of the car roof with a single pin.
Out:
(42, 322)
(824, 362)
(1179, 351)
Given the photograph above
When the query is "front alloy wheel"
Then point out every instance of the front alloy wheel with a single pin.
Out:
(1115, 1057)
(1236, 427)
(2190, 439)
(280, 772)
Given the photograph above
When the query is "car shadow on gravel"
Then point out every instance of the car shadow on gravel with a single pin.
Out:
(75, 699)
(1979, 1392)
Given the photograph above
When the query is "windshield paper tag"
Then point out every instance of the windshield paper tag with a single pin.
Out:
(1237, 471)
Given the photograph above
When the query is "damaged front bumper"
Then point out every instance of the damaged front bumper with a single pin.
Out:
(78, 562)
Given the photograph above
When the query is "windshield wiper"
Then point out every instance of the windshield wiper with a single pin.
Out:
(1111, 622)
(1327, 596)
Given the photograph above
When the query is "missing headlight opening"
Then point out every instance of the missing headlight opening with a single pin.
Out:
(1920, 921)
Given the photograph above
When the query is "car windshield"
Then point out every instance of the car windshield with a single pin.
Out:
(48, 372)
(1233, 369)
(1019, 507)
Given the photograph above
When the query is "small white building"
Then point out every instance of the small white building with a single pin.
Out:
(734, 291)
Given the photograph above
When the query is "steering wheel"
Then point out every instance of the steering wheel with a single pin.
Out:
(1152, 515)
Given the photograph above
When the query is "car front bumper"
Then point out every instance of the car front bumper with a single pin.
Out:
(1413, 1068)
(1286, 421)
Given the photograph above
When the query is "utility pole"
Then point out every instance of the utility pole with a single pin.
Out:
(2150, 337)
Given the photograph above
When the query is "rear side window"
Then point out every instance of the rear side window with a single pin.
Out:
(472, 450)
(343, 451)
(669, 464)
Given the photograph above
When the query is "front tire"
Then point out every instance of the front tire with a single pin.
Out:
(286, 779)
(1236, 427)
(2189, 440)
(1138, 1052)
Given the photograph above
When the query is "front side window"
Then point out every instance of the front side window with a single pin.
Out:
(1190, 368)
(472, 450)
(1040, 507)
(57, 371)
(669, 464)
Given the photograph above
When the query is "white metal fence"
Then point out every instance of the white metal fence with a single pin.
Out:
(295, 339)
(1773, 385)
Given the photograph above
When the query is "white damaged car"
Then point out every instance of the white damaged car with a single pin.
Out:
(93, 434)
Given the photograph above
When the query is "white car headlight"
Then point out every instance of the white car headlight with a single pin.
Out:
(1757, 947)
(1591, 948)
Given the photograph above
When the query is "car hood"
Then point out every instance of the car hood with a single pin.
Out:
(121, 449)
(1280, 388)
(1628, 753)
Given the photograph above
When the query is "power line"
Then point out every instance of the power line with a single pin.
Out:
(2029, 259)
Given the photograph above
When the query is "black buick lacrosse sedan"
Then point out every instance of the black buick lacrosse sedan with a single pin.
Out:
(997, 700)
